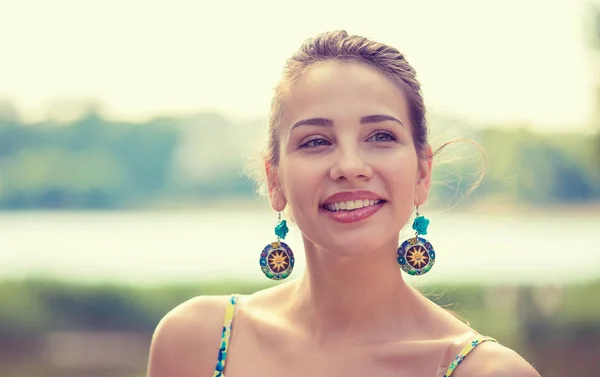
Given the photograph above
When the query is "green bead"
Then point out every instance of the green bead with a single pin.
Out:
(281, 229)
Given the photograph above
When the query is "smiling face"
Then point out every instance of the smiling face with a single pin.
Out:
(348, 167)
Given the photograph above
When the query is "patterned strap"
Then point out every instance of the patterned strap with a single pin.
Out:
(456, 345)
(225, 335)
(471, 344)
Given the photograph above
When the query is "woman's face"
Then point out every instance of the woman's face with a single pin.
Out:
(348, 167)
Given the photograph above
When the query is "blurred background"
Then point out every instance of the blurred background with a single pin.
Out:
(126, 126)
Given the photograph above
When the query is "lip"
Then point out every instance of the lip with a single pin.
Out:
(351, 195)
(354, 215)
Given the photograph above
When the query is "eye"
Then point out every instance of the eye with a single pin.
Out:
(314, 141)
(382, 136)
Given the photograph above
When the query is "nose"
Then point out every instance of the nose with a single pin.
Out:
(349, 164)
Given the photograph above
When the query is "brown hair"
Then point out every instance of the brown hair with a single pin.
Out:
(338, 45)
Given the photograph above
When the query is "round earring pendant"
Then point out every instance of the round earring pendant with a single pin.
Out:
(277, 261)
(416, 256)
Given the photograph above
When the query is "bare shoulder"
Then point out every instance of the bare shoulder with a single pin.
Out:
(494, 360)
(186, 340)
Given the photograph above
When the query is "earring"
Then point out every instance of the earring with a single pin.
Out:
(416, 255)
(277, 259)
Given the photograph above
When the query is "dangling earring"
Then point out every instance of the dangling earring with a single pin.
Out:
(277, 259)
(416, 255)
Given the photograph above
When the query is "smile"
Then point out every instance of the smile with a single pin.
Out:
(350, 205)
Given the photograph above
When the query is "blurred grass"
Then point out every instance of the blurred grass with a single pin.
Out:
(45, 324)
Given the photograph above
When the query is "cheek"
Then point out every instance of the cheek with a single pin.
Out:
(401, 171)
(300, 180)
(300, 191)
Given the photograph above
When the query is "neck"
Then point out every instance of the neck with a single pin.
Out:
(360, 295)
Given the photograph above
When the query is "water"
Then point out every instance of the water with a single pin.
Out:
(170, 247)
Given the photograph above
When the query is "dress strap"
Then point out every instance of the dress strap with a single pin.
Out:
(471, 343)
(456, 345)
(225, 335)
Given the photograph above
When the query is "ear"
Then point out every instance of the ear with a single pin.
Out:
(423, 182)
(276, 196)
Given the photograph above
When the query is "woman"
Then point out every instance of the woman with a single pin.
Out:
(348, 158)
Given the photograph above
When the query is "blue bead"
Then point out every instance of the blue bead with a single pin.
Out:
(281, 229)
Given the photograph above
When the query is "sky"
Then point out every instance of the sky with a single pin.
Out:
(516, 61)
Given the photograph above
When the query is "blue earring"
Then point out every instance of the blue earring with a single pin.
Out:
(277, 259)
(416, 255)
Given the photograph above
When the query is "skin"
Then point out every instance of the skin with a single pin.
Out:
(351, 314)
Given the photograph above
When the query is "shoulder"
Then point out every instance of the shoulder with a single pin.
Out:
(186, 340)
(494, 360)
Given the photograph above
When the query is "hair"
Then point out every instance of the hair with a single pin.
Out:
(340, 46)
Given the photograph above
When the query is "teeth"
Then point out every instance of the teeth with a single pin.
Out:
(350, 205)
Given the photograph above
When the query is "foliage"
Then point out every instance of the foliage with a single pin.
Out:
(93, 163)
(33, 306)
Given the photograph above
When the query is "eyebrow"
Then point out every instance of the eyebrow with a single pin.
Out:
(368, 119)
(379, 118)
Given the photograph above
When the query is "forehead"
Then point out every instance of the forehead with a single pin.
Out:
(343, 90)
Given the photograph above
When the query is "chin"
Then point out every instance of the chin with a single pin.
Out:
(358, 243)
